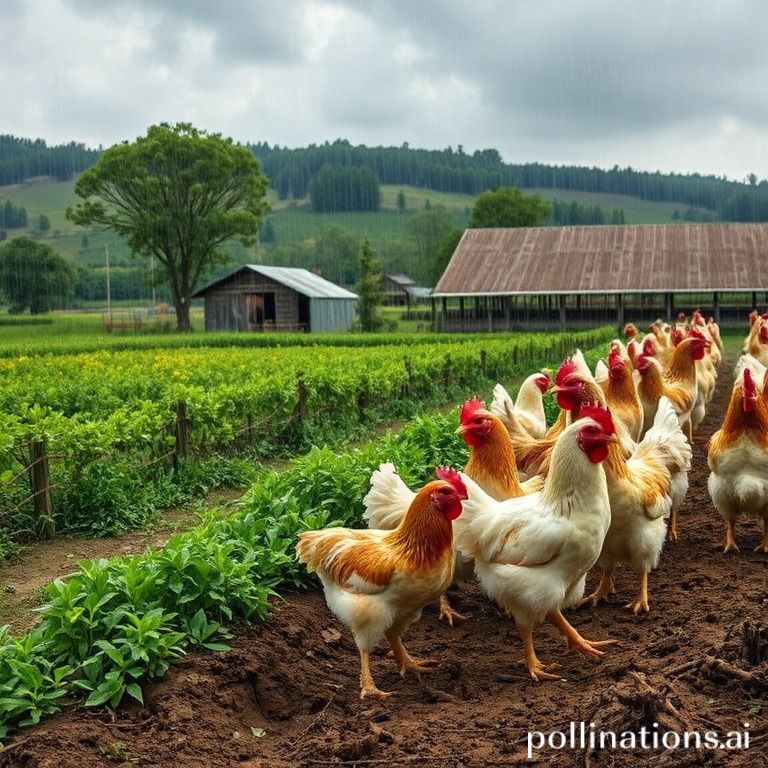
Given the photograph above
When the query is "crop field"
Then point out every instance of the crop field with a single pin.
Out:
(128, 649)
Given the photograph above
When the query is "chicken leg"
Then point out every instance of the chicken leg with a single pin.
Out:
(672, 526)
(605, 587)
(574, 641)
(763, 546)
(730, 537)
(367, 686)
(641, 604)
(536, 669)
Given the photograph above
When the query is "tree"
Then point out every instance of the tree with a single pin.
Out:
(33, 276)
(509, 207)
(368, 289)
(177, 194)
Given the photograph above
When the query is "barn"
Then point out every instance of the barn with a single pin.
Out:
(262, 298)
(558, 277)
(395, 287)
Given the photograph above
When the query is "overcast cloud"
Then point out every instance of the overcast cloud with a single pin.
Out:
(666, 85)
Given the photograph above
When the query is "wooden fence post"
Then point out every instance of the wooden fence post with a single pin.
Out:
(182, 432)
(40, 479)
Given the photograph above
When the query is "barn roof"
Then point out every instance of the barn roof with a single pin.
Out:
(300, 280)
(608, 259)
(400, 279)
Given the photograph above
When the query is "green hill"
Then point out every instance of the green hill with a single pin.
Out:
(400, 238)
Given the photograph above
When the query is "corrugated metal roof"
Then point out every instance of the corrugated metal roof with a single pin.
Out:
(608, 259)
(300, 280)
(400, 279)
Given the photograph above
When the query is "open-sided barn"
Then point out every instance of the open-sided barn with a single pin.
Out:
(260, 298)
(550, 277)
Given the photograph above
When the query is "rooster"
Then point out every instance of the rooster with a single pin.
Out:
(757, 340)
(532, 554)
(640, 492)
(738, 460)
(377, 581)
(529, 406)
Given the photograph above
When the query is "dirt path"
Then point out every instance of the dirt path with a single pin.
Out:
(287, 695)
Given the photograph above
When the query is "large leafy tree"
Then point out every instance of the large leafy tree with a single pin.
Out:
(33, 276)
(508, 207)
(177, 194)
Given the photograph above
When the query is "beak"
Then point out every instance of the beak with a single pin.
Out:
(460, 430)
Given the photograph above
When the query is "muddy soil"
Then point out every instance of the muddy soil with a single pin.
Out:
(287, 693)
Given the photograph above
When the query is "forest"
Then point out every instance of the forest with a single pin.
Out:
(292, 171)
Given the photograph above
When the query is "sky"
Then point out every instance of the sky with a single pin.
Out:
(659, 85)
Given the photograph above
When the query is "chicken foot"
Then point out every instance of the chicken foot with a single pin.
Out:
(641, 604)
(604, 588)
(405, 662)
(536, 669)
(574, 641)
(730, 537)
(367, 686)
(447, 611)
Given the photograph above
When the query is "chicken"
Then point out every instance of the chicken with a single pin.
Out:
(532, 554)
(640, 492)
(377, 581)
(621, 394)
(757, 340)
(491, 463)
(678, 381)
(529, 405)
(492, 459)
(738, 460)
(634, 347)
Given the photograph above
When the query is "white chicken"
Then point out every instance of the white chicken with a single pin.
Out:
(529, 405)
(532, 553)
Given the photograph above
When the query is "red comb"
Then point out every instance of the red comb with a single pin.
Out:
(450, 475)
(649, 348)
(470, 408)
(566, 369)
(600, 414)
(696, 334)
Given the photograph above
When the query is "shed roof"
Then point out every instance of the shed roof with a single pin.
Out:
(608, 259)
(300, 280)
(400, 279)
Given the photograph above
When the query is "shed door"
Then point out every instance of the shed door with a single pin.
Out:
(260, 310)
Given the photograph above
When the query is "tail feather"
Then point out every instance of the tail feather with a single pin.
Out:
(502, 404)
(388, 499)
(667, 438)
(468, 527)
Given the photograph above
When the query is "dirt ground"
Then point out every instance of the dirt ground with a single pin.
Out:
(287, 693)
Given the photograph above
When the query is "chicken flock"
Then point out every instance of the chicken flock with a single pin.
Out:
(537, 507)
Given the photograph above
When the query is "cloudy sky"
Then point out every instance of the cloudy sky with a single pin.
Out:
(670, 85)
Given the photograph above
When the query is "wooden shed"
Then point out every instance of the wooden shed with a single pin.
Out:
(553, 277)
(262, 298)
(395, 288)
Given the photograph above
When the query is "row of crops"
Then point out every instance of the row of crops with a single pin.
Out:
(94, 442)
(116, 622)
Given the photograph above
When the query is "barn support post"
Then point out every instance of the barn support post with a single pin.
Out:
(40, 481)
(620, 310)
(669, 307)
(489, 302)
(461, 313)
(716, 303)
(754, 299)
(444, 314)
(507, 313)
(562, 313)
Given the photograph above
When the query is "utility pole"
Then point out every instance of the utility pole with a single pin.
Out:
(109, 292)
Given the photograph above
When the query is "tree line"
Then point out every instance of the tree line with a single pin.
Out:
(291, 172)
(22, 159)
